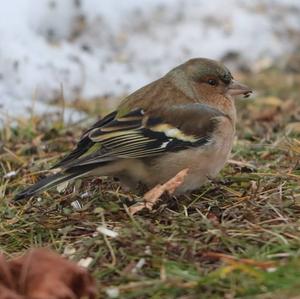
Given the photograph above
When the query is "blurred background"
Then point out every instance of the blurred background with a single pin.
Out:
(99, 51)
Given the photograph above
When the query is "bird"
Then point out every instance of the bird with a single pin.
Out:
(185, 119)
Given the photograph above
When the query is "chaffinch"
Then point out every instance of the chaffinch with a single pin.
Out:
(186, 119)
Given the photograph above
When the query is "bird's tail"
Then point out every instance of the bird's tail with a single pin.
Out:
(47, 183)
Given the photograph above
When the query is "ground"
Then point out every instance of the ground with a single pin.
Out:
(237, 237)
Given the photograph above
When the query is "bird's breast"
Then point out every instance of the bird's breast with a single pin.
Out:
(203, 162)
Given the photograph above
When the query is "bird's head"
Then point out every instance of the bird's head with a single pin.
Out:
(208, 78)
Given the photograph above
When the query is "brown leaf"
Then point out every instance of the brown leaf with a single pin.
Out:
(249, 262)
(153, 195)
(6, 293)
(7, 285)
(41, 274)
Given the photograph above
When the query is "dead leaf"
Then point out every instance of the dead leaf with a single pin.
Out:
(153, 195)
(40, 274)
(7, 285)
(265, 265)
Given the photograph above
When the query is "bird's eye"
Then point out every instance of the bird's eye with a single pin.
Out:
(212, 82)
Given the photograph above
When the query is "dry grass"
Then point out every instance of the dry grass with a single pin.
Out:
(239, 237)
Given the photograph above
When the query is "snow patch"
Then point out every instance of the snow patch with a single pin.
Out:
(94, 48)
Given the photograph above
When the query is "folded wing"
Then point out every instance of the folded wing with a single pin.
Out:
(138, 134)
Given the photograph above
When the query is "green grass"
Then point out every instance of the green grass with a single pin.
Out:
(237, 238)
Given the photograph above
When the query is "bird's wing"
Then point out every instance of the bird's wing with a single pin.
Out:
(85, 142)
(138, 134)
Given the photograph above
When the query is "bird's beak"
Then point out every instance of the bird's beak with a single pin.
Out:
(236, 88)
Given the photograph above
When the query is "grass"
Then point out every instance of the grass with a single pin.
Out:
(238, 238)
